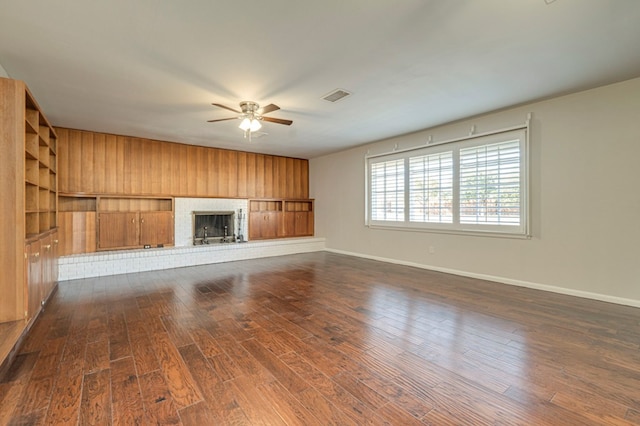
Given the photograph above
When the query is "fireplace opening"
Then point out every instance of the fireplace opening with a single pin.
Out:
(213, 227)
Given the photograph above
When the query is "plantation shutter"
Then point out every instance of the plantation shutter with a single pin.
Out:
(490, 184)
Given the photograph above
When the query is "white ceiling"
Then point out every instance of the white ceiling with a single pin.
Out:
(152, 68)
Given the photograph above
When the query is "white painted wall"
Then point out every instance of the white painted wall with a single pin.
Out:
(3, 72)
(585, 184)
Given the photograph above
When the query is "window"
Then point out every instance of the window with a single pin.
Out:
(431, 188)
(476, 185)
(387, 190)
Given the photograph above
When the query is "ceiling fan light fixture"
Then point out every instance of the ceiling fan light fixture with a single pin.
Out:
(245, 124)
(255, 125)
(250, 124)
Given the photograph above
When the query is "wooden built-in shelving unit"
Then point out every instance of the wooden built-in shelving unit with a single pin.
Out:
(280, 218)
(28, 213)
(134, 222)
(40, 172)
(107, 222)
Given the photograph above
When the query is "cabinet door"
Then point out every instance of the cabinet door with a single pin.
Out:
(255, 222)
(290, 224)
(33, 279)
(54, 258)
(301, 227)
(264, 225)
(298, 223)
(117, 230)
(156, 228)
(46, 265)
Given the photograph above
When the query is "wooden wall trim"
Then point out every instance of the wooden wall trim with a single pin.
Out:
(100, 163)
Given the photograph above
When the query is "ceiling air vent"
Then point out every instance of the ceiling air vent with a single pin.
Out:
(336, 95)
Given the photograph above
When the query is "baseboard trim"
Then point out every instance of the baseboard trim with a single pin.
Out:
(544, 287)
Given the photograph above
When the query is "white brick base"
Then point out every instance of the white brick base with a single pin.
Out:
(126, 261)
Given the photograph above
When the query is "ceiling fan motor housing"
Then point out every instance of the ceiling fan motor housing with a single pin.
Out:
(249, 107)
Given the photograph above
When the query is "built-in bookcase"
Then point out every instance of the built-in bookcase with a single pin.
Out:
(28, 212)
(40, 175)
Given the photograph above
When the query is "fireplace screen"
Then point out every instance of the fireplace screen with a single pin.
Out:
(211, 227)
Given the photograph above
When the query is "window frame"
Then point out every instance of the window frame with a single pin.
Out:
(522, 230)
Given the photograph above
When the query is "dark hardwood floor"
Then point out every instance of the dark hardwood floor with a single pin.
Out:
(322, 339)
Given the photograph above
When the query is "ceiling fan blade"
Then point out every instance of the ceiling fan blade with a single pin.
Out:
(278, 120)
(222, 119)
(269, 108)
(226, 107)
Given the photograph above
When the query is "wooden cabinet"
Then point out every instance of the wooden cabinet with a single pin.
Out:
(77, 224)
(134, 222)
(269, 218)
(264, 225)
(118, 230)
(33, 279)
(102, 222)
(265, 219)
(298, 218)
(41, 271)
(28, 190)
(156, 228)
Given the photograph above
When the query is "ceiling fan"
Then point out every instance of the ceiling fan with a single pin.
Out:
(251, 115)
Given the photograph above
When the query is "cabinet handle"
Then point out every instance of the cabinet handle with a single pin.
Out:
(48, 247)
(141, 220)
(133, 221)
(55, 241)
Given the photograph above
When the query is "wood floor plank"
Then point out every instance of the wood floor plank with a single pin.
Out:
(177, 331)
(34, 401)
(206, 342)
(323, 409)
(127, 407)
(391, 414)
(225, 367)
(64, 407)
(36, 395)
(290, 409)
(181, 383)
(144, 351)
(38, 334)
(118, 337)
(95, 408)
(14, 384)
(221, 399)
(98, 323)
(197, 414)
(247, 363)
(257, 409)
(361, 391)
(280, 370)
(96, 356)
(157, 400)
(348, 404)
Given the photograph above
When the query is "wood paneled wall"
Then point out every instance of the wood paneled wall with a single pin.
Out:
(99, 163)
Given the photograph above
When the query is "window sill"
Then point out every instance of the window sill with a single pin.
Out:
(490, 234)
